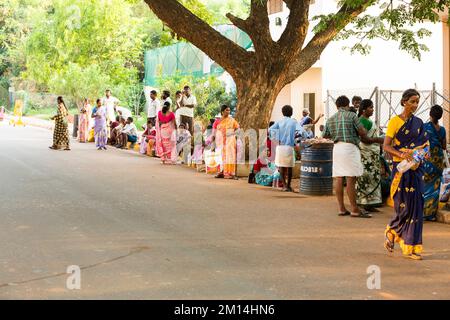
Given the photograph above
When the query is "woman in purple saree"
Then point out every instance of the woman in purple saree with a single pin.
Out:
(406, 134)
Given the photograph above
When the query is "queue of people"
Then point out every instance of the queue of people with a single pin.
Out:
(418, 152)
(357, 152)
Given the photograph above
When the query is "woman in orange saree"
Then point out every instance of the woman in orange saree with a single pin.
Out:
(225, 136)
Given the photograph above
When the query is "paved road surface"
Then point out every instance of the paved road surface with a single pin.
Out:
(140, 230)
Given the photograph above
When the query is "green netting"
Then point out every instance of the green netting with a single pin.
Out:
(186, 59)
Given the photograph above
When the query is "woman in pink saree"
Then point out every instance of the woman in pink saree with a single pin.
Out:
(166, 137)
(84, 120)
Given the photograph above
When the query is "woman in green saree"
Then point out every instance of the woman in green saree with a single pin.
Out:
(368, 186)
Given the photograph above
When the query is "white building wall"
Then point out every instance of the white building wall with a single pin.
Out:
(386, 66)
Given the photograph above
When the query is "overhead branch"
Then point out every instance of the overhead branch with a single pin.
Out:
(289, 3)
(293, 37)
(257, 26)
(312, 51)
(224, 51)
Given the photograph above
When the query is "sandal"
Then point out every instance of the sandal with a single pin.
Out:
(389, 243)
(342, 214)
(413, 256)
(219, 176)
(53, 148)
(361, 214)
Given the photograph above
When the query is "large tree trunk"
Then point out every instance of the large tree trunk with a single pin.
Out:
(260, 74)
(256, 96)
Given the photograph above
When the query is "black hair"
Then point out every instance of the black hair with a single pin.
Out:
(186, 87)
(98, 100)
(182, 125)
(178, 92)
(408, 94)
(271, 123)
(436, 112)
(153, 92)
(365, 104)
(356, 98)
(61, 100)
(223, 108)
(108, 90)
(166, 107)
(130, 119)
(342, 102)
(211, 121)
(166, 93)
(287, 111)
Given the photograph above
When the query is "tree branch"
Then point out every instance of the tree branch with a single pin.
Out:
(232, 57)
(293, 37)
(311, 53)
(257, 26)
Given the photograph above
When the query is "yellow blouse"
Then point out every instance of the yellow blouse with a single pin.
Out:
(393, 127)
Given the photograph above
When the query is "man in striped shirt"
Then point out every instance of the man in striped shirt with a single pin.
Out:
(345, 130)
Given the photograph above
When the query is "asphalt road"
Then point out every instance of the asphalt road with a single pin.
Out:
(139, 230)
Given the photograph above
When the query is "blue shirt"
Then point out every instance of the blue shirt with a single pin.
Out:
(284, 131)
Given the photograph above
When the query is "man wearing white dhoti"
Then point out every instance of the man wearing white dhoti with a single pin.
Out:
(283, 132)
(345, 130)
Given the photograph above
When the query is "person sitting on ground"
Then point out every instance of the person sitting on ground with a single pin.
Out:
(129, 133)
(116, 133)
(197, 155)
(151, 139)
(283, 132)
(144, 142)
(183, 139)
(148, 135)
(113, 135)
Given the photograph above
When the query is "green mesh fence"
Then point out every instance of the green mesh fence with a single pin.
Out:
(186, 59)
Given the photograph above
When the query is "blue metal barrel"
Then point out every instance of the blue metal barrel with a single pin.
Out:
(316, 169)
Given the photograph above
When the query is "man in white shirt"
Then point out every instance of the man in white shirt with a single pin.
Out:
(165, 97)
(153, 108)
(110, 103)
(188, 103)
(129, 133)
(178, 98)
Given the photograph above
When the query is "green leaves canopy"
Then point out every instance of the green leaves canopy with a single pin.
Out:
(84, 44)
(390, 20)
